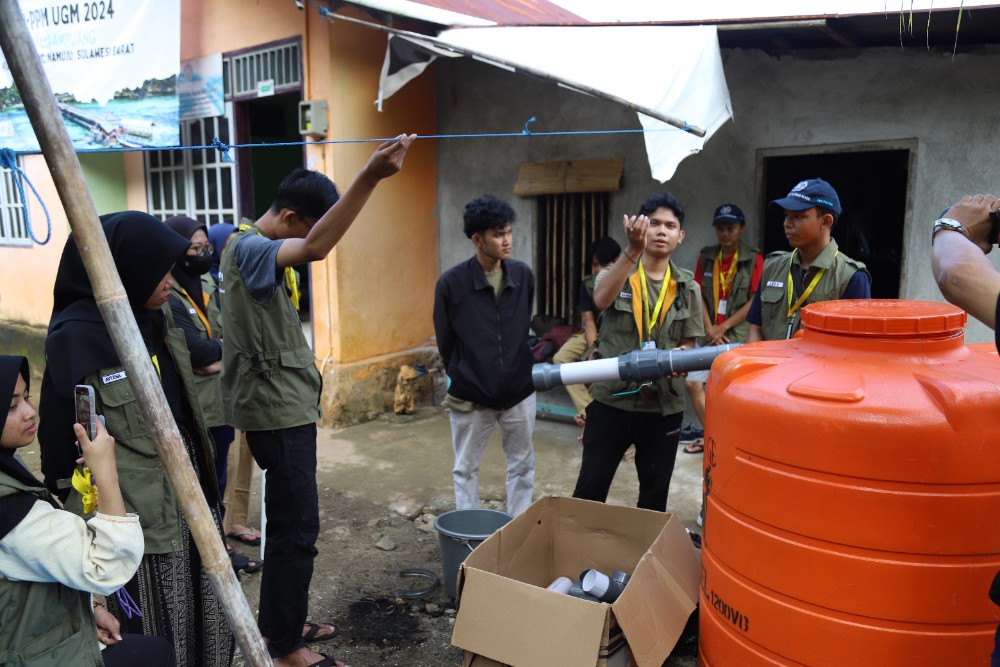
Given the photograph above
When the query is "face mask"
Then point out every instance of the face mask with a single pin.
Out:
(197, 264)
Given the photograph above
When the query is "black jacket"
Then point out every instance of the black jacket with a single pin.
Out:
(483, 341)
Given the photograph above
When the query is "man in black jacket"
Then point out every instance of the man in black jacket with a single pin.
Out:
(482, 312)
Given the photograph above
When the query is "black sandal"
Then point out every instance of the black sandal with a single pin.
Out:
(312, 634)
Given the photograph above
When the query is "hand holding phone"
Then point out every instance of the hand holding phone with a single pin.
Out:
(86, 410)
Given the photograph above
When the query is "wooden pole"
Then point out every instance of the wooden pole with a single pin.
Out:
(39, 102)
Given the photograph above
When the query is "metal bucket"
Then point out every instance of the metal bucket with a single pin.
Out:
(461, 531)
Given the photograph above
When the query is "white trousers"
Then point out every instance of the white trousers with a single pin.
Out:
(469, 433)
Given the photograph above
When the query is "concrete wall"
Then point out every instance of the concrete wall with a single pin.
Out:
(943, 108)
(30, 271)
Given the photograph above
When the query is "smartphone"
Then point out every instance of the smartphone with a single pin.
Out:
(86, 411)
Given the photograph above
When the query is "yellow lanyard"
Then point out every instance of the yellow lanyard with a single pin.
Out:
(197, 310)
(291, 278)
(794, 307)
(723, 281)
(83, 483)
(651, 319)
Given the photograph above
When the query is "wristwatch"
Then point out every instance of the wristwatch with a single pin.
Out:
(950, 225)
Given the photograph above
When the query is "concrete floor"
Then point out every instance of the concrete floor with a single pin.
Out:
(406, 460)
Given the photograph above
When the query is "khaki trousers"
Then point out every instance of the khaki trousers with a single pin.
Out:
(237, 499)
(573, 350)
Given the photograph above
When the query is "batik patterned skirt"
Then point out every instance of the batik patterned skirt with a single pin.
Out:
(177, 599)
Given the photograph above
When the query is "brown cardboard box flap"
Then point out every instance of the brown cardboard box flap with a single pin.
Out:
(661, 595)
(520, 624)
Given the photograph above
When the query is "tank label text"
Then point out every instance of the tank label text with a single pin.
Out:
(730, 613)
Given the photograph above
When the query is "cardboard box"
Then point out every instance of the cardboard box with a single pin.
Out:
(506, 614)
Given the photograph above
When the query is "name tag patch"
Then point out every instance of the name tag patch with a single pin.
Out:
(114, 377)
(775, 283)
(191, 310)
(625, 295)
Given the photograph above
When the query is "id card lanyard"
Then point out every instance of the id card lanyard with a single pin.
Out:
(723, 283)
(793, 308)
(649, 343)
(197, 311)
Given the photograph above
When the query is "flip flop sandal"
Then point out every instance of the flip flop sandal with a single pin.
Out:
(310, 637)
(327, 661)
(695, 448)
(245, 564)
(246, 538)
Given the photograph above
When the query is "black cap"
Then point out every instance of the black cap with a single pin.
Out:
(728, 214)
(809, 193)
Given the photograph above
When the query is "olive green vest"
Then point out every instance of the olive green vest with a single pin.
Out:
(618, 335)
(146, 489)
(269, 374)
(739, 293)
(44, 624)
(209, 386)
(774, 291)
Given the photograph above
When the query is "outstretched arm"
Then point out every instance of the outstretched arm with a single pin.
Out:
(327, 232)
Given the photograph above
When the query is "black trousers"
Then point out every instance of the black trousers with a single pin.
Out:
(608, 434)
(288, 458)
(140, 651)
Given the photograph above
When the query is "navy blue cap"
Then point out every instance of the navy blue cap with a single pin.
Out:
(809, 193)
(728, 214)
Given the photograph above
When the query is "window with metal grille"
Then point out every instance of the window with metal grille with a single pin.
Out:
(13, 228)
(568, 224)
(280, 63)
(195, 183)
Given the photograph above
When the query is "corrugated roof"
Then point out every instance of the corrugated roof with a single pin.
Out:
(510, 12)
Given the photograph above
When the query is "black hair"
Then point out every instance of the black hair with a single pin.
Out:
(823, 210)
(487, 212)
(605, 250)
(663, 200)
(309, 193)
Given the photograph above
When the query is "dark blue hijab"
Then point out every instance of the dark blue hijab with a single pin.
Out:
(218, 234)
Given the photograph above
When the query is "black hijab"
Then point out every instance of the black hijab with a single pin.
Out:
(14, 507)
(191, 282)
(78, 342)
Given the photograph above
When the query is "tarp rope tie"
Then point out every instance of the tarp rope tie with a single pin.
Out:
(223, 150)
(528, 122)
(8, 160)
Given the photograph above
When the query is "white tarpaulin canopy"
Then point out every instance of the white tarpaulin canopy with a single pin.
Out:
(675, 71)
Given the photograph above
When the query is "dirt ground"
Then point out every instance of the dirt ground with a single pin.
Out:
(381, 484)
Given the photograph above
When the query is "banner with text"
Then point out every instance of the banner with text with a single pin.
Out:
(112, 65)
(199, 86)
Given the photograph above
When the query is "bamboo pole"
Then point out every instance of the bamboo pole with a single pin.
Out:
(39, 102)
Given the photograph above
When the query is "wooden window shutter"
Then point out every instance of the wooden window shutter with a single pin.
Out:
(573, 176)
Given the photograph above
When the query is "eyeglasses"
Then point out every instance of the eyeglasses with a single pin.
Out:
(199, 248)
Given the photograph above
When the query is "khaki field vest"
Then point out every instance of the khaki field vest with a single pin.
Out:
(773, 289)
(269, 375)
(739, 294)
(618, 335)
(44, 624)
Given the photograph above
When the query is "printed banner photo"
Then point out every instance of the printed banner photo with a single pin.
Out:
(112, 65)
(199, 86)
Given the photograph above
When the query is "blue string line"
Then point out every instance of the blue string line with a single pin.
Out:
(222, 147)
(8, 160)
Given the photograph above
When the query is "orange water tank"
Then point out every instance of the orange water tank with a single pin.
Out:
(852, 493)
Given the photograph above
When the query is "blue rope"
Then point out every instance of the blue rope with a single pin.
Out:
(223, 150)
(226, 148)
(8, 160)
